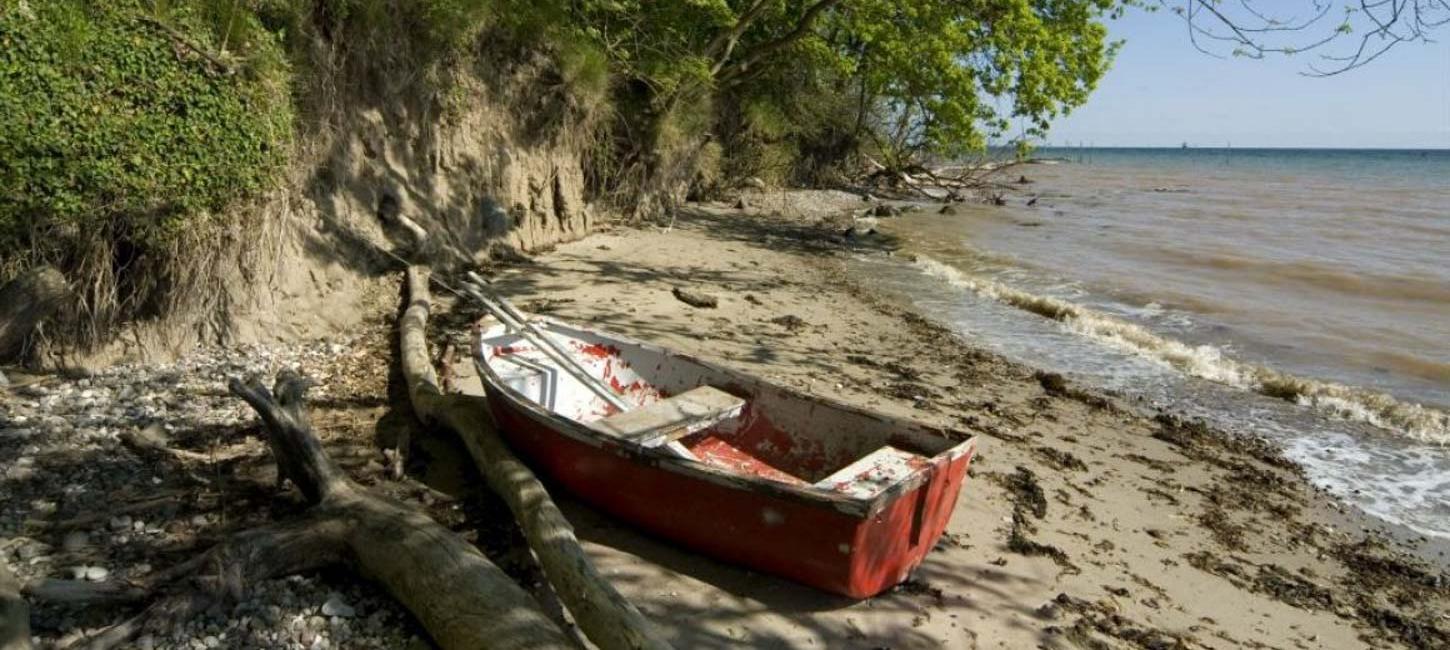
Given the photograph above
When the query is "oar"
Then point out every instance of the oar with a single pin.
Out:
(510, 316)
(499, 307)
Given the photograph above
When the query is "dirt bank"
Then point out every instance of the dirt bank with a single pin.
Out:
(1084, 524)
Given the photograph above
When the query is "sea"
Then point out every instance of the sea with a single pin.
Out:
(1298, 295)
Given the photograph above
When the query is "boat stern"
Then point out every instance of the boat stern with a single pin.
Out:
(892, 541)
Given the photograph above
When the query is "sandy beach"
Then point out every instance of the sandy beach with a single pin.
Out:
(1085, 523)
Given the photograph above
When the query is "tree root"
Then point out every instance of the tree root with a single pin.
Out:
(461, 598)
(14, 612)
(26, 303)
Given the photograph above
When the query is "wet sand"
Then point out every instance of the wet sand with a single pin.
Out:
(1084, 522)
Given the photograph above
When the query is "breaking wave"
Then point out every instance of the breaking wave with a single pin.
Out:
(1422, 423)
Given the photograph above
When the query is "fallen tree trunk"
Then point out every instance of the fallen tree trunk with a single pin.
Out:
(26, 302)
(461, 598)
(605, 617)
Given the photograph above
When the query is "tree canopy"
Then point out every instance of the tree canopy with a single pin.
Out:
(924, 74)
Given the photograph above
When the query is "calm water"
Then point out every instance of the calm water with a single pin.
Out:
(1220, 281)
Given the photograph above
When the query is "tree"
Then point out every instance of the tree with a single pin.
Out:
(1371, 27)
(914, 76)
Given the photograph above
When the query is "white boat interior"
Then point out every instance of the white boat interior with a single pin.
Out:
(709, 414)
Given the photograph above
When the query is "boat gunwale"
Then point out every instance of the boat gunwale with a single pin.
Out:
(658, 457)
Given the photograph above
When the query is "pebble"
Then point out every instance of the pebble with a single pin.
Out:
(75, 541)
(91, 573)
(336, 606)
(43, 425)
(28, 552)
(22, 470)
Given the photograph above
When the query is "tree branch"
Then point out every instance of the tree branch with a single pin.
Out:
(724, 44)
(1386, 23)
(759, 54)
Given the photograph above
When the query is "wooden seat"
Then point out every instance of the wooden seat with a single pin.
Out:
(667, 420)
(874, 472)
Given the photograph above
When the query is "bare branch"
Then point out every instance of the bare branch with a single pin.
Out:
(1255, 32)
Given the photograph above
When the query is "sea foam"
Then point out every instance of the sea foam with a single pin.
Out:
(1418, 422)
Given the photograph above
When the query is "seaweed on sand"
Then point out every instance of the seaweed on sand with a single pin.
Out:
(1380, 592)
(1029, 500)
(1396, 594)
(1100, 620)
(1222, 528)
(1060, 460)
(1018, 542)
(1024, 491)
(1196, 439)
(1055, 385)
(1151, 463)
(1269, 579)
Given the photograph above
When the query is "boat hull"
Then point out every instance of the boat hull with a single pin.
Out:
(849, 553)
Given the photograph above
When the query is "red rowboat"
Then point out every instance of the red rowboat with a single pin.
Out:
(732, 466)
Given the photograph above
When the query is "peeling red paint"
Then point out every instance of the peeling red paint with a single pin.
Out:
(716, 451)
(596, 350)
(763, 439)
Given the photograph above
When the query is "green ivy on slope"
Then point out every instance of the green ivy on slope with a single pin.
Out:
(124, 119)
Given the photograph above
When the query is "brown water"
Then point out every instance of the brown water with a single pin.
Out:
(1308, 271)
(1296, 295)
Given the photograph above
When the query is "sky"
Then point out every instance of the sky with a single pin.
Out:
(1163, 92)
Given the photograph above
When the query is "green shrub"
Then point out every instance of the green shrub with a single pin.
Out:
(133, 119)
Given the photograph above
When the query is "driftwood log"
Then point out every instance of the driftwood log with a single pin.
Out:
(605, 617)
(942, 183)
(26, 302)
(461, 598)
